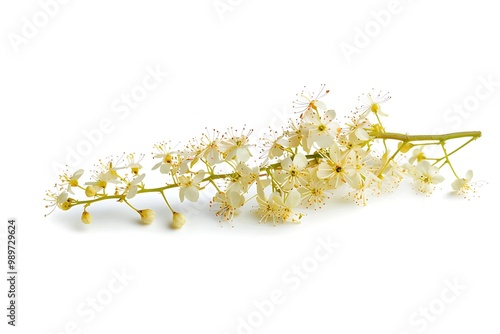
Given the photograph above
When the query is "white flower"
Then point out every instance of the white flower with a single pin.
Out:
(463, 186)
(334, 168)
(309, 100)
(360, 167)
(417, 155)
(169, 158)
(273, 146)
(228, 203)
(279, 207)
(132, 186)
(392, 175)
(211, 151)
(425, 176)
(287, 203)
(369, 184)
(244, 177)
(207, 148)
(319, 128)
(314, 193)
(189, 186)
(236, 146)
(294, 136)
(358, 131)
(72, 180)
(57, 199)
(133, 163)
(102, 179)
(371, 103)
(292, 172)
(106, 173)
(268, 208)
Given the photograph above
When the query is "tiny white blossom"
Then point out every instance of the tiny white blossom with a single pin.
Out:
(334, 168)
(133, 186)
(102, 179)
(273, 146)
(287, 203)
(71, 181)
(319, 128)
(371, 103)
(189, 186)
(228, 203)
(425, 176)
(358, 131)
(244, 177)
(360, 167)
(134, 163)
(310, 100)
(236, 146)
(57, 199)
(417, 155)
(315, 193)
(292, 172)
(170, 159)
(463, 186)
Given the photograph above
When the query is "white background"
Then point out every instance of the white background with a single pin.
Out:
(244, 67)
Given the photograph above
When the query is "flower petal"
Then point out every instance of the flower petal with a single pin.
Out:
(192, 193)
(300, 161)
(293, 199)
(330, 115)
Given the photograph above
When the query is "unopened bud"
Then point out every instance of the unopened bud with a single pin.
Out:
(86, 217)
(147, 216)
(90, 191)
(178, 220)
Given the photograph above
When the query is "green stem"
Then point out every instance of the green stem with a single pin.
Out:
(126, 202)
(448, 160)
(166, 201)
(383, 139)
(444, 137)
(390, 159)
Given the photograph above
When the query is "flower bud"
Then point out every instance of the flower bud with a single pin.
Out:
(405, 147)
(178, 220)
(65, 206)
(86, 217)
(90, 191)
(147, 216)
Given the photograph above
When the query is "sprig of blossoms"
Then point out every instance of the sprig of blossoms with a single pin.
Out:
(303, 165)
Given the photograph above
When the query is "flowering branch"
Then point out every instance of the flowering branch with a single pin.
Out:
(304, 164)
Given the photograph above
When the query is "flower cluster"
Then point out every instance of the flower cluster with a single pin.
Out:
(302, 166)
